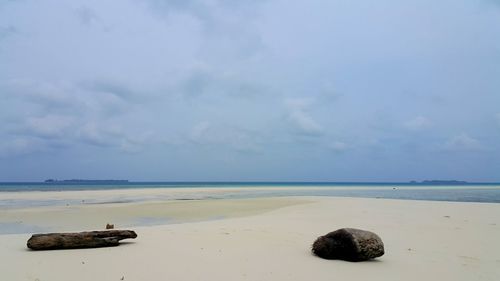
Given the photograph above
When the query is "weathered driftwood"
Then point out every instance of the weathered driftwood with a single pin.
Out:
(90, 239)
(349, 244)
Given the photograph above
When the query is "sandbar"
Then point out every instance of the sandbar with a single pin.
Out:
(261, 239)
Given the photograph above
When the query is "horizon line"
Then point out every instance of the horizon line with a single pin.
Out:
(460, 182)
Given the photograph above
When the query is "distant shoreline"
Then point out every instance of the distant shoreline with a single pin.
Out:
(149, 191)
(84, 181)
(249, 183)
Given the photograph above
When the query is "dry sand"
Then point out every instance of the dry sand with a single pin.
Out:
(262, 239)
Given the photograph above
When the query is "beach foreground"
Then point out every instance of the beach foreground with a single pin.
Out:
(265, 239)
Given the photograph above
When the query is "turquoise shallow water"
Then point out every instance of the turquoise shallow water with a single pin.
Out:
(459, 193)
(484, 192)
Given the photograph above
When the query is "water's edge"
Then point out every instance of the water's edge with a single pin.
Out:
(482, 192)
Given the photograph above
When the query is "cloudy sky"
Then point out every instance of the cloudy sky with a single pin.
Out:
(250, 90)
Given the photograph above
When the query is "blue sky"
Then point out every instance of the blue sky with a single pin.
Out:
(264, 90)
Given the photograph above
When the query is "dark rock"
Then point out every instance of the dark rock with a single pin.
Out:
(349, 244)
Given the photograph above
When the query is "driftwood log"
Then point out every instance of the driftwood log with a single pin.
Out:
(90, 239)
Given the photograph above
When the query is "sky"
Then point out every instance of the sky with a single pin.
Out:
(250, 90)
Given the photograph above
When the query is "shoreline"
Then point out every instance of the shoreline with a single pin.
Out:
(236, 185)
(70, 218)
(423, 240)
(27, 199)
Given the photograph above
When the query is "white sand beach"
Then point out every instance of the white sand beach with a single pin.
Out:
(257, 239)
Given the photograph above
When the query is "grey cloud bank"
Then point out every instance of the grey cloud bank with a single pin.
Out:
(250, 90)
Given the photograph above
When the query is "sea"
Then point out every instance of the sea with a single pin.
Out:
(461, 192)
(12, 197)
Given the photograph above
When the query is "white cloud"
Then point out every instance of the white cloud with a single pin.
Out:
(417, 123)
(463, 142)
(112, 135)
(300, 118)
(227, 27)
(98, 135)
(339, 146)
(19, 146)
(43, 93)
(131, 146)
(50, 125)
(86, 15)
(161, 66)
(6, 31)
(92, 113)
(206, 133)
(305, 122)
(199, 131)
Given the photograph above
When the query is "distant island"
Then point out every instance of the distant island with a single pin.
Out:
(85, 181)
(440, 182)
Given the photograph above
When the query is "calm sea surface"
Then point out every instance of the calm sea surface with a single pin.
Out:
(10, 200)
(481, 192)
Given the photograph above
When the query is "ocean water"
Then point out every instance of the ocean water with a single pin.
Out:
(9, 199)
(477, 192)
